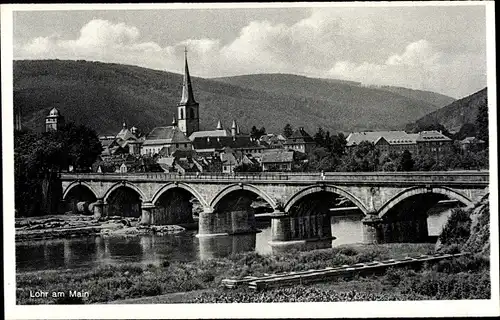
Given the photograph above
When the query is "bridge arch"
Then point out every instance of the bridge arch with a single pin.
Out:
(132, 186)
(450, 193)
(328, 188)
(76, 184)
(246, 187)
(180, 185)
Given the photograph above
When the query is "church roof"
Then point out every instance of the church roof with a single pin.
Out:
(218, 143)
(209, 133)
(170, 134)
(54, 112)
(187, 87)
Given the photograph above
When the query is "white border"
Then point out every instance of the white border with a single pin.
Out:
(279, 310)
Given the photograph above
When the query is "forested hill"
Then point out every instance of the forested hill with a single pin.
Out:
(457, 114)
(104, 95)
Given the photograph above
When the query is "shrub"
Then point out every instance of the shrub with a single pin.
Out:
(457, 228)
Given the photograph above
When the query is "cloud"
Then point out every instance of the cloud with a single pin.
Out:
(343, 44)
(420, 66)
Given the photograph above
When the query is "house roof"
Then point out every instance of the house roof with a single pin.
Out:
(228, 158)
(300, 136)
(126, 134)
(432, 135)
(395, 137)
(469, 140)
(355, 138)
(166, 135)
(277, 157)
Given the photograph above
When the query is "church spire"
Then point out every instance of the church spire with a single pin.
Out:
(187, 88)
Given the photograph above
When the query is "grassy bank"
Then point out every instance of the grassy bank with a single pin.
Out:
(111, 283)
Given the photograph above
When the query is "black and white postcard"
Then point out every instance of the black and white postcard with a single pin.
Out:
(250, 160)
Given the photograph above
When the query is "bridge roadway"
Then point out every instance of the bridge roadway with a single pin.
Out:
(374, 193)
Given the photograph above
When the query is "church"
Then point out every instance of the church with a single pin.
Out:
(184, 132)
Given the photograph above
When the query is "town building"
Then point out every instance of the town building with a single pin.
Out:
(277, 160)
(432, 142)
(171, 138)
(54, 121)
(300, 141)
(273, 141)
(472, 143)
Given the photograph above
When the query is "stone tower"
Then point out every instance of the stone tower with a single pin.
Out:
(188, 108)
(54, 121)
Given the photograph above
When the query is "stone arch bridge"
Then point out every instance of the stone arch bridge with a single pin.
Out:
(380, 196)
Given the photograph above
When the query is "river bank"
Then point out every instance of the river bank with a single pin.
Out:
(79, 225)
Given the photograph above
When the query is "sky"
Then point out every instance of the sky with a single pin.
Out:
(436, 48)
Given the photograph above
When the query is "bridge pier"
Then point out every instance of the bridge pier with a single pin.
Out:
(147, 213)
(98, 209)
(213, 223)
(372, 229)
(280, 226)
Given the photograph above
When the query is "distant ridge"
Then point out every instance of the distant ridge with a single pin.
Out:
(457, 113)
(103, 95)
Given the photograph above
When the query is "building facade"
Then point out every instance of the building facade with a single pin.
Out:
(54, 121)
(300, 141)
(430, 142)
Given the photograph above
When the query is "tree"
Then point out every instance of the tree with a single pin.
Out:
(319, 137)
(338, 145)
(38, 158)
(287, 131)
(482, 122)
(257, 133)
(247, 167)
(363, 157)
(424, 162)
(83, 146)
(319, 159)
(406, 162)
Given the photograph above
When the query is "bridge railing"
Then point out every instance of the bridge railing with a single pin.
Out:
(481, 177)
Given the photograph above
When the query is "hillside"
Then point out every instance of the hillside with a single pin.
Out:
(437, 99)
(103, 95)
(456, 114)
(330, 89)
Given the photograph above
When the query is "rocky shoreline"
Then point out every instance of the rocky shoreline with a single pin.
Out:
(75, 225)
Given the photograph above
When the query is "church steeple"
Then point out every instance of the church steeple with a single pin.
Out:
(187, 88)
(188, 117)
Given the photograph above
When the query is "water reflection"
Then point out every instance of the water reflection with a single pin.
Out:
(98, 251)
(347, 229)
(223, 246)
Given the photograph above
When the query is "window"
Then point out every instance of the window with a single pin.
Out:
(185, 145)
(177, 145)
(192, 113)
(181, 116)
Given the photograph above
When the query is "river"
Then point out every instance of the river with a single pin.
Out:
(91, 252)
